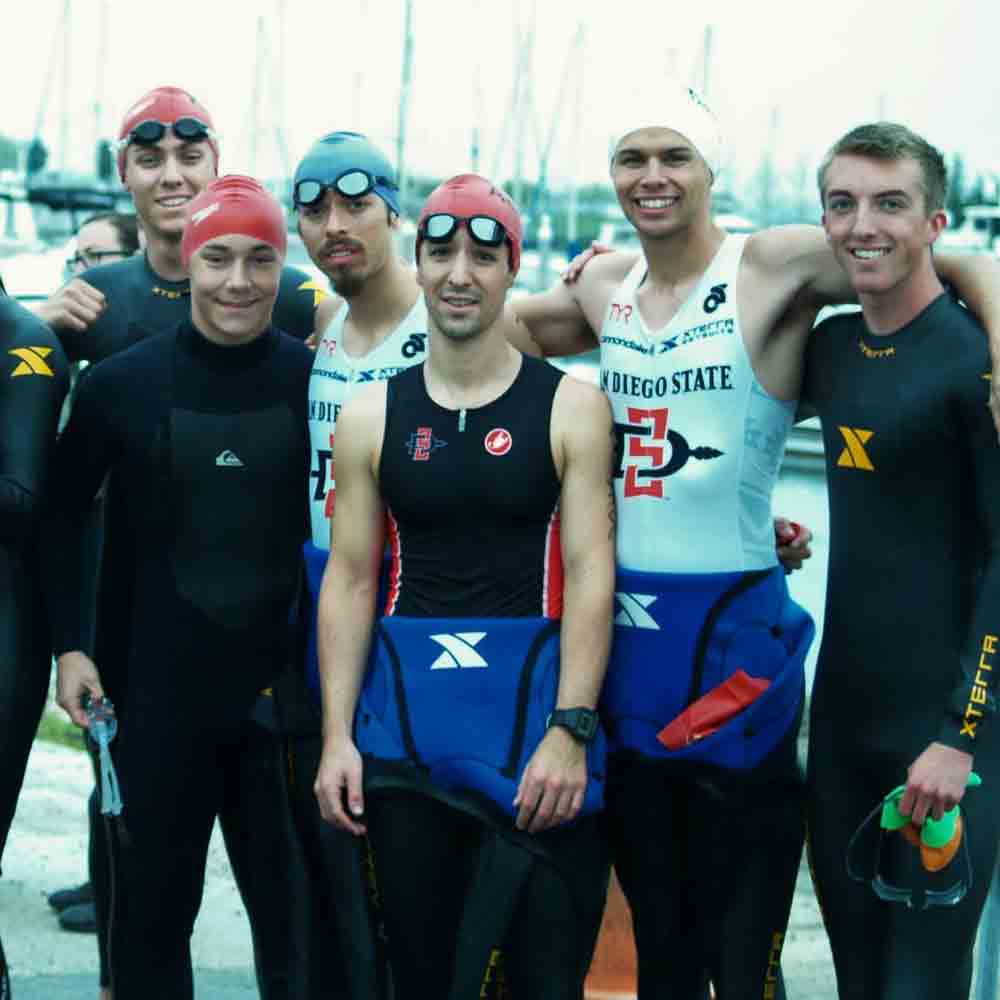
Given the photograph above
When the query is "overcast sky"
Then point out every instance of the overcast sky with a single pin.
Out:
(824, 65)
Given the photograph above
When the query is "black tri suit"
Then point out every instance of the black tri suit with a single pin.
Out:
(911, 632)
(141, 304)
(472, 507)
(208, 448)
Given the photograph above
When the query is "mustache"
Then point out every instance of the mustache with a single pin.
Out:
(330, 245)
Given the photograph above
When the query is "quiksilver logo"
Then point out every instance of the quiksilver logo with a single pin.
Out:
(228, 460)
(633, 613)
(459, 650)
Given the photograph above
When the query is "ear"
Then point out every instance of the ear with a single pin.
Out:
(936, 224)
(826, 229)
(395, 222)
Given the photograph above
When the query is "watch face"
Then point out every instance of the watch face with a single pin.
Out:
(586, 725)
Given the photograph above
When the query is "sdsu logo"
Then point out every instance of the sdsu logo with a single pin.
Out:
(498, 442)
(422, 443)
(646, 436)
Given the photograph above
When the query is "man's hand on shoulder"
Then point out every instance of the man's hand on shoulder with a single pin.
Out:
(76, 306)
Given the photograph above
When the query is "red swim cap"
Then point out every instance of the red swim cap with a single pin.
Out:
(469, 194)
(233, 205)
(166, 105)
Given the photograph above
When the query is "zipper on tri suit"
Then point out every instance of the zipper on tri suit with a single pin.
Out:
(461, 421)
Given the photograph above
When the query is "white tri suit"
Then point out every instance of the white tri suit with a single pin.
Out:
(706, 815)
(338, 917)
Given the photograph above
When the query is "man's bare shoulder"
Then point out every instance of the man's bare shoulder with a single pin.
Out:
(607, 269)
(581, 406)
(363, 413)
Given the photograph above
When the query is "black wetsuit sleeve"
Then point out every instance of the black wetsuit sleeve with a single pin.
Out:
(972, 704)
(298, 297)
(33, 369)
(86, 451)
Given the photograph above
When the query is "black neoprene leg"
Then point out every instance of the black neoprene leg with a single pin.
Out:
(885, 951)
(424, 853)
(346, 957)
(708, 865)
(24, 676)
(170, 787)
(256, 826)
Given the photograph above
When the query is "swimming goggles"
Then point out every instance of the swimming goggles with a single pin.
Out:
(150, 131)
(353, 183)
(441, 226)
(934, 834)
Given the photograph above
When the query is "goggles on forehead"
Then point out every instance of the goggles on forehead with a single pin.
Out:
(354, 183)
(934, 834)
(442, 226)
(150, 131)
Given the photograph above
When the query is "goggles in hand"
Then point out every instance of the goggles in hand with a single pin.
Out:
(354, 183)
(938, 841)
(186, 129)
(442, 226)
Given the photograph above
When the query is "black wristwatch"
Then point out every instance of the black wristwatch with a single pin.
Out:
(581, 722)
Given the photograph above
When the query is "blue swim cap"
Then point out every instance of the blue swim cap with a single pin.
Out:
(339, 152)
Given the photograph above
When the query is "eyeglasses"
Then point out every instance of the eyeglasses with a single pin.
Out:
(351, 184)
(150, 131)
(440, 227)
(91, 258)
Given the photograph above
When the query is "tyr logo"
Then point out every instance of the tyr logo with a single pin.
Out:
(715, 298)
(622, 312)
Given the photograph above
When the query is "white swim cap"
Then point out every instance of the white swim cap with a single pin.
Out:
(680, 109)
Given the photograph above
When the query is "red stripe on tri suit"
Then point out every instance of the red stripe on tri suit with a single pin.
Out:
(396, 563)
(552, 583)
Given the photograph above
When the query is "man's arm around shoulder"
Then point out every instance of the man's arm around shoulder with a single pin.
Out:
(567, 318)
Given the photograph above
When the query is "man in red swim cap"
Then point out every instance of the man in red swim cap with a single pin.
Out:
(203, 431)
(478, 772)
(167, 152)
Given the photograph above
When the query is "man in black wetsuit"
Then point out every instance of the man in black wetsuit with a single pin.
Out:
(33, 381)
(492, 473)
(167, 153)
(905, 689)
(204, 430)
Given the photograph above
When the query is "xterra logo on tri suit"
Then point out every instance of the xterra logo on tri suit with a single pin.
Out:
(336, 376)
(699, 441)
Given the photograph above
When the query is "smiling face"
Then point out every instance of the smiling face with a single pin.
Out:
(876, 221)
(465, 284)
(348, 239)
(234, 285)
(163, 177)
(662, 183)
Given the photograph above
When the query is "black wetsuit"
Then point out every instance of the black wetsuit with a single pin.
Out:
(470, 538)
(208, 447)
(141, 304)
(913, 595)
(33, 382)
